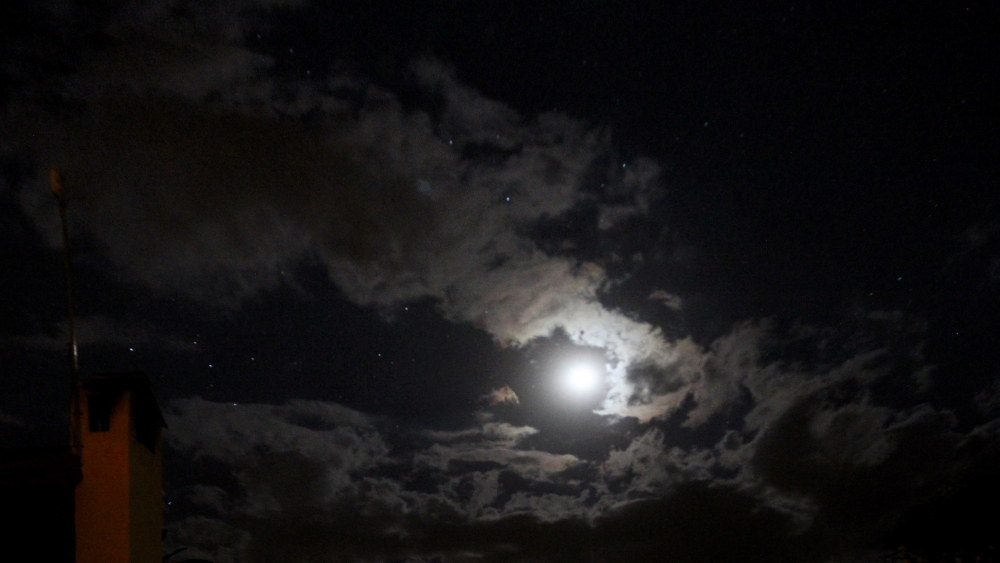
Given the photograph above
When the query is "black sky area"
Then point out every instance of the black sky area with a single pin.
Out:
(360, 247)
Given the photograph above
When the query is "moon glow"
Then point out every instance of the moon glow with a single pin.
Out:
(582, 378)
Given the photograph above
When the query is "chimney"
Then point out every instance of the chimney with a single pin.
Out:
(119, 501)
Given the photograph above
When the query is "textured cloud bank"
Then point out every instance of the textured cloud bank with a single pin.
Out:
(326, 471)
(813, 466)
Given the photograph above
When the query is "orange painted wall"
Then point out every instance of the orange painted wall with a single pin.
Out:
(119, 500)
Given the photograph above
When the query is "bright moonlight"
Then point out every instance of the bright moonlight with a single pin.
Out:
(582, 377)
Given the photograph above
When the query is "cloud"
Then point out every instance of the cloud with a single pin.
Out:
(730, 361)
(328, 472)
(987, 400)
(334, 442)
(102, 330)
(650, 468)
(630, 194)
(502, 396)
(531, 463)
(493, 443)
(468, 491)
(669, 300)
(207, 538)
(198, 176)
(229, 431)
(813, 441)
(494, 432)
(812, 461)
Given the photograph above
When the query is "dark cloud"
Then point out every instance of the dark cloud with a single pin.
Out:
(341, 438)
(668, 300)
(211, 184)
(988, 400)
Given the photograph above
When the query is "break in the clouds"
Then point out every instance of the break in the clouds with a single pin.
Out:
(200, 176)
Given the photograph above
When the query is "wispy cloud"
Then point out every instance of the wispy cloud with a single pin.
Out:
(104, 331)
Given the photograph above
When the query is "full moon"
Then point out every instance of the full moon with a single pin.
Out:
(582, 377)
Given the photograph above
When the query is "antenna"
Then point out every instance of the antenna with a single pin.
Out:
(56, 184)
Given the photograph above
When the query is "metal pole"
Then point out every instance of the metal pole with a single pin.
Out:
(56, 184)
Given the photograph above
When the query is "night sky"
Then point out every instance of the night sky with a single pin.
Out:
(594, 281)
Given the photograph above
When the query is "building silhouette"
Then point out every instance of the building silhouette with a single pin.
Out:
(103, 505)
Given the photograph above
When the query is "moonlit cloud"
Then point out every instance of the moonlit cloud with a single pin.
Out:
(501, 433)
(502, 396)
(217, 201)
(668, 300)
